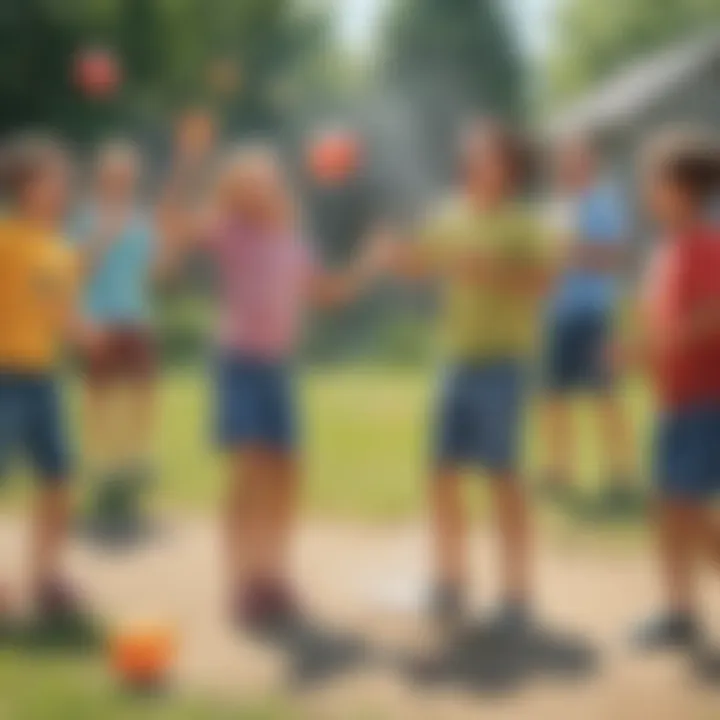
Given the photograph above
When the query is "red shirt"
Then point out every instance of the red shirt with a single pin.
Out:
(684, 280)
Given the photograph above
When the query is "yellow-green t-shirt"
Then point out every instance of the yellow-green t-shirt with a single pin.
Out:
(38, 278)
(478, 321)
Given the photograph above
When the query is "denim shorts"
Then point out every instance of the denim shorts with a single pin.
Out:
(479, 416)
(255, 403)
(575, 353)
(687, 452)
(31, 425)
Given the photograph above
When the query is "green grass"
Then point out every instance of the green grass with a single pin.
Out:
(365, 433)
(37, 686)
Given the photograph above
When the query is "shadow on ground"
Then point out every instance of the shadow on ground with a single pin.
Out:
(317, 653)
(482, 659)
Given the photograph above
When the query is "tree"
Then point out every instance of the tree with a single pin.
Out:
(166, 48)
(596, 38)
(467, 43)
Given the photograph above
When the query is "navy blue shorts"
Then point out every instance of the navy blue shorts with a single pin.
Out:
(480, 415)
(687, 453)
(255, 403)
(575, 356)
(31, 425)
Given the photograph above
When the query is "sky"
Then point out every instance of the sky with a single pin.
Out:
(357, 20)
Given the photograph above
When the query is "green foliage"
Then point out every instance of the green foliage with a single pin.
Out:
(596, 38)
(463, 41)
(166, 48)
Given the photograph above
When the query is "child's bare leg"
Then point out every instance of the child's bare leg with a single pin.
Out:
(283, 511)
(50, 531)
(679, 532)
(139, 420)
(615, 437)
(449, 528)
(559, 439)
(513, 525)
(238, 516)
(96, 426)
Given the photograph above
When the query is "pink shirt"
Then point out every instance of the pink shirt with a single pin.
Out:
(263, 278)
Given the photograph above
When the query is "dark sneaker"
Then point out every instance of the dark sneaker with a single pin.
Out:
(666, 632)
(58, 601)
(706, 664)
(514, 619)
(447, 603)
(266, 606)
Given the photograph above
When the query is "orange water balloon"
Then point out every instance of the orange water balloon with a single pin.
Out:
(143, 654)
(334, 156)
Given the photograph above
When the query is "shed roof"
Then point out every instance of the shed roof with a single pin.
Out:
(627, 94)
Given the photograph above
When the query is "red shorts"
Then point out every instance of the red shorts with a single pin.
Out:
(123, 354)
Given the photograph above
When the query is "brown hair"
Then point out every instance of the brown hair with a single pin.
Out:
(514, 146)
(690, 158)
(23, 158)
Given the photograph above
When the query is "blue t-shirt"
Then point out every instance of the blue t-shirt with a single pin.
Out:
(117, 291)
(598, 218)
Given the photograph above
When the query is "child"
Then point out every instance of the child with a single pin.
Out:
(487, 251)
(266, 279)
(118, 243)
(682, 348)
(37, 276)
(581, 320)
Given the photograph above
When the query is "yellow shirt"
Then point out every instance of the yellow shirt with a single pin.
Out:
(37, 284)
(480, 321)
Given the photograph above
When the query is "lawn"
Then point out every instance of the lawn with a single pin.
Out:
(366, 445)
(366, 432)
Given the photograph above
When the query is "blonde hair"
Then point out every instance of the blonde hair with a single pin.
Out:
(248, 155)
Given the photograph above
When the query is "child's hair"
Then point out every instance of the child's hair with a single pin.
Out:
(513, 145)
(118, 148)
(688, 157)
(23, 158)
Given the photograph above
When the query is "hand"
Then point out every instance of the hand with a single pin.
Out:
(89, 337)
(378, 254)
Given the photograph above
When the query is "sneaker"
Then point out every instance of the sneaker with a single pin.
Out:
(666, 632)
(56, 600)
(265, 606)
(446, 603)
(513, 619)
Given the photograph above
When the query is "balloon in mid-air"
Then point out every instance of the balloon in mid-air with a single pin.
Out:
(334, 156)
(97, 72)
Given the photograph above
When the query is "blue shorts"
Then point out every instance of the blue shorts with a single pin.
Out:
(31, 425)
(575, 357)
(687, 453)
(254, 403)
(479, 416)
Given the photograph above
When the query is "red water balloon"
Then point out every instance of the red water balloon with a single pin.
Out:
(334, 156)
(97, 72)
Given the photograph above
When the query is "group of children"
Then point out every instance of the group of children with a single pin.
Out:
(503, 273)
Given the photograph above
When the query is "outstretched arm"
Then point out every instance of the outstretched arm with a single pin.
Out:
(338, 288)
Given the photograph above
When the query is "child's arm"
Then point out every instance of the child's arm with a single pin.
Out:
(100, 239)
(338, 288)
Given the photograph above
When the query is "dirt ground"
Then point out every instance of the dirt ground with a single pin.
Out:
(370, 654)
